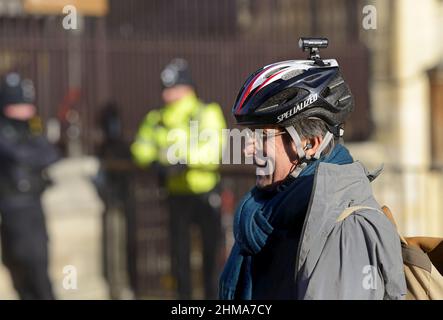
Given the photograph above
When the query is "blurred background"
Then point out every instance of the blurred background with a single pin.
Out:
(116, 235)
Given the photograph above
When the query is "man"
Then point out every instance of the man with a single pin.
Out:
(24, 154)
(294, 239)
(191, 185)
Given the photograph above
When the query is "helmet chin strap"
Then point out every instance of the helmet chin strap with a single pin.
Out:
(303, 158)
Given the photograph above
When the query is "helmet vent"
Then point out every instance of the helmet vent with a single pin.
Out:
(343, 99)
(326, 91)
(272, 72)
(291, 74)
(335, 85)
(282, 98)
(312, 78)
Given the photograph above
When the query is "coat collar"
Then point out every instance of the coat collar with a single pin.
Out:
(335, 188)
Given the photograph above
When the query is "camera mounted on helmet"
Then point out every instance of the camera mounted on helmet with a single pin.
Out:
(314, 45)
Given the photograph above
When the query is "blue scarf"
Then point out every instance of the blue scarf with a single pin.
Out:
(253, 224)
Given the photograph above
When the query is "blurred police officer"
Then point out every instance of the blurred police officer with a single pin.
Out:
(24, 154)
(192, 187)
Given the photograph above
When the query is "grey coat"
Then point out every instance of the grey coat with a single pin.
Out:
(357, 258)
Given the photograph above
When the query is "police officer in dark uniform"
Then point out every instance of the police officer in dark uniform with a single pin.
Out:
(24, 154)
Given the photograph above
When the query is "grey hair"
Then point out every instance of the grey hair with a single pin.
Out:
(309, 128)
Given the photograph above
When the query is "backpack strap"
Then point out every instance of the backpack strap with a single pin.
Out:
(350, 210)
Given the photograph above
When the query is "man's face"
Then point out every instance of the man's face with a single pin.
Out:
(274, 155)
(176, 93)
(20, 111)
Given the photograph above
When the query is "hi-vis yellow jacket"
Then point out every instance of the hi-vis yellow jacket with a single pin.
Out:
(167, 131)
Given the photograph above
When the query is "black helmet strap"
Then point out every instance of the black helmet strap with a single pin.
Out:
(337, 130)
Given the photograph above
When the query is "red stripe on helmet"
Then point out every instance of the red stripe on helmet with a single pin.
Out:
(248, 90)
(267, 80)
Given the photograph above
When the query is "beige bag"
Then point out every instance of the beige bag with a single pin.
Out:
(424, 280)
(422, 259)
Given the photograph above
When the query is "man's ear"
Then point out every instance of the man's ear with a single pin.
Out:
(314, 145)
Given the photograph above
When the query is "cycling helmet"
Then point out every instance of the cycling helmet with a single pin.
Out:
(281, 92)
